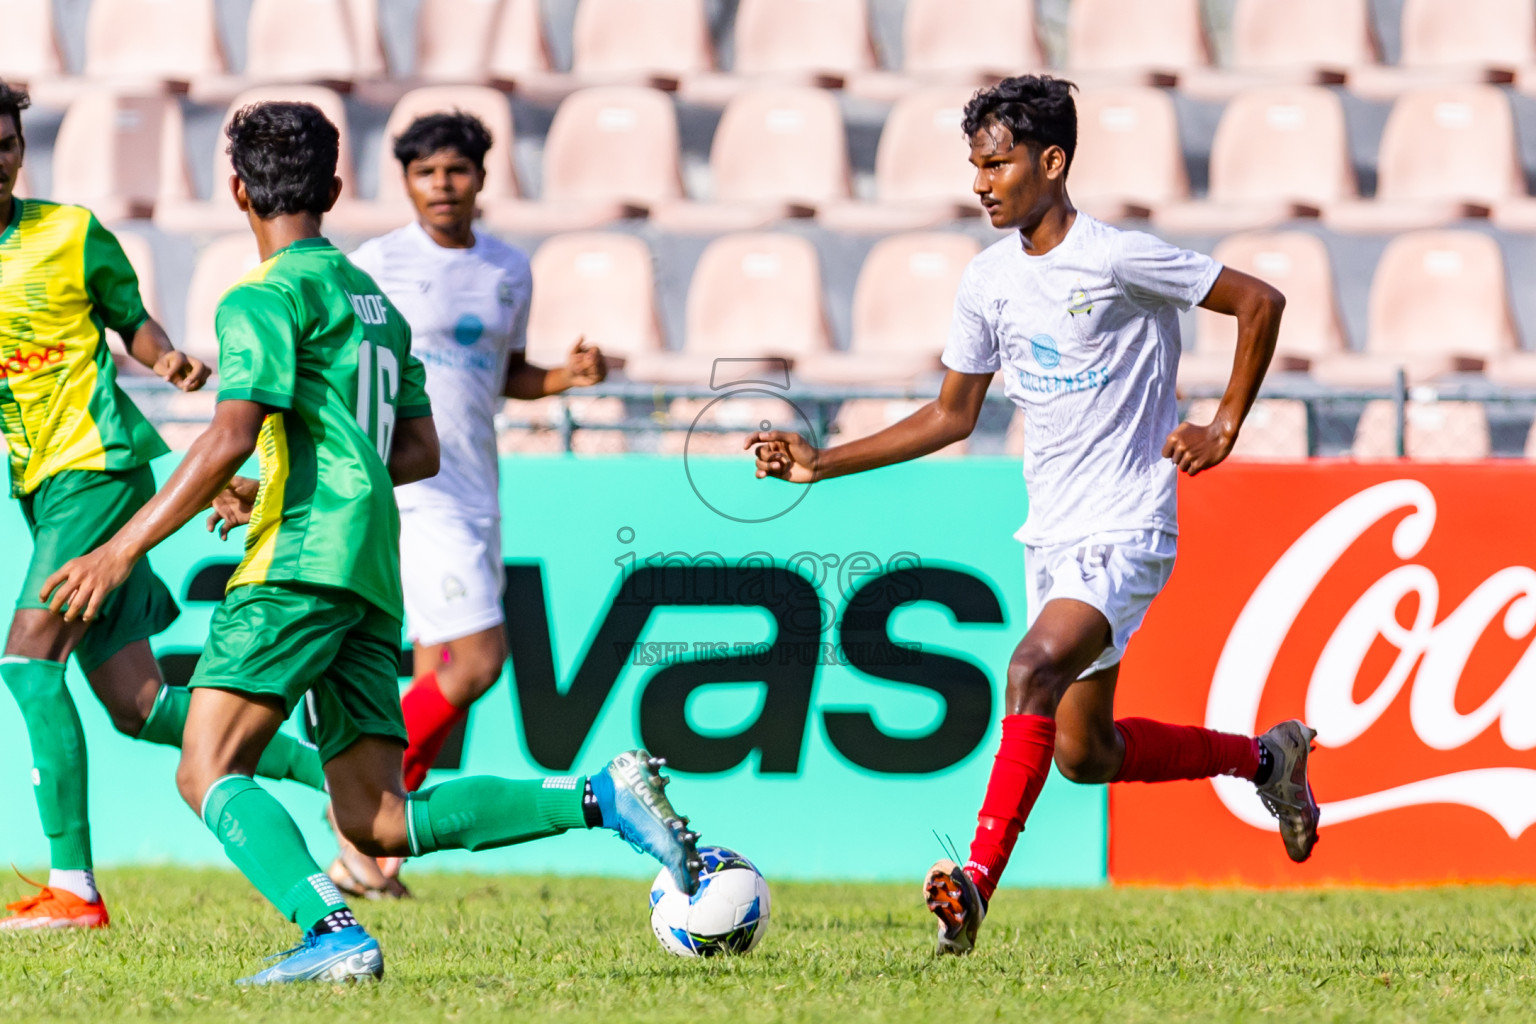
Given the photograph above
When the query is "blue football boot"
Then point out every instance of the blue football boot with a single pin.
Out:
(631, 793)
(350, 954)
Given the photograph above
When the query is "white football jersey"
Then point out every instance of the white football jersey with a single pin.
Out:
(1087, 339)
(468, 310)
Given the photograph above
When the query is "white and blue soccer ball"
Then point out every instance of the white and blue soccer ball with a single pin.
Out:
(728, 915)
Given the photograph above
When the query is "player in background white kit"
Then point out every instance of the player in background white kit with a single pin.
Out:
(1082, 321)
(466, 298)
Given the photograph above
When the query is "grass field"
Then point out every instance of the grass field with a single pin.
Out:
(580, 950)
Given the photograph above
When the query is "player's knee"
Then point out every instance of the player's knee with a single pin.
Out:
(1035, 681)
(192, 782)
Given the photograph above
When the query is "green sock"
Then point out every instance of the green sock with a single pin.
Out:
(264, 843)
(284, 758)
(484, 812)
(58, 757)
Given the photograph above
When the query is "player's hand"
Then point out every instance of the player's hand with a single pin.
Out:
(586, 365)
(186, 372)
(784, 454)
(83, 583)
(232, 507)
(1194, 448)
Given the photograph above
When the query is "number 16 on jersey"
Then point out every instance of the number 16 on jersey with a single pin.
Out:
(378, 388)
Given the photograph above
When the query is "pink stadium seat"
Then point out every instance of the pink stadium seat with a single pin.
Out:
(777, 152)
(791, 42)
(517, 42)
(754, 295)
(149, 42)
(902, 307)
(391, 208)
(1279, 152)
(1135, 40)
(1129, 161)
(1290, 42)
(302, 41)
(1275, 428)
(1445, 153)
(922, 172)
(108, 152)
(29, 49)
(367, 42)
(594, 285)
(221, 263)
(454, 37)
(178, 210)
(1439, 304)
(1294, 262)
(1436, 431)
(941, 45)
(635, 128)
(641, 40)
(1483, 35)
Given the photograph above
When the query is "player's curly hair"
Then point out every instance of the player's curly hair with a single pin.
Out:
(1037, 109)
(285, 154)
(13, 101)
(463, 133)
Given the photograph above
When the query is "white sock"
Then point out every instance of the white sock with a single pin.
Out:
(81, 883)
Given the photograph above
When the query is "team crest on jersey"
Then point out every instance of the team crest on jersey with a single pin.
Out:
(1045, 350)
(1078, 304)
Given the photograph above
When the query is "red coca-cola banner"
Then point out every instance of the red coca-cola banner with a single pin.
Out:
(1392, 607)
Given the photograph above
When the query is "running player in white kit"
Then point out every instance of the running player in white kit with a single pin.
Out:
(466, 298)
(1082, 321)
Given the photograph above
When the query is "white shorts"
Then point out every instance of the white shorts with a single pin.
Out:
(1118, 572)
(451, 569)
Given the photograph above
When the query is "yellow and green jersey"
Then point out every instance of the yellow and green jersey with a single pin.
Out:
(313, 338)
(63, 281)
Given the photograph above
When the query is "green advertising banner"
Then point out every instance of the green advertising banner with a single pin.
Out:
(823, 667)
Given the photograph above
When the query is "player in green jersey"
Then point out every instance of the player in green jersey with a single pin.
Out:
(316, 373)
(79, 465)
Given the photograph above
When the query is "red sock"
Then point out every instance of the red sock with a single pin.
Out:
(429, 718)
(1018, 773)
(1158, 752)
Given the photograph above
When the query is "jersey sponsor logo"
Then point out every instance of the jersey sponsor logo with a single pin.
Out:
(468, 330)
(1045, 350)
(370, 309)
(451, 359)
(31, 360)
(1051, 384)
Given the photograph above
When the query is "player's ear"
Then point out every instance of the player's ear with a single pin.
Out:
(335, 194)
(237, 189)
(1053, 162)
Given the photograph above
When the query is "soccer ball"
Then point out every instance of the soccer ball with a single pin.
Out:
(729, 913)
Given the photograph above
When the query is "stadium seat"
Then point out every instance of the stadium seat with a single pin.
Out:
(1437, 431)
(1446, 153)
(635, 129)
(1128, 161)
(654, 42)
(922, 172)
(1134, 41)
(152, 43)
(594, 285)
(367, 40)
(221, 263)
(753, 296)
(107, 155)
(178, 210)
(1289, 42)
(1439, 304)
(1279, 153)
(902, 306)
(1276, 428)
(1310, 331)
(454, 37)
(778, 152)
(390, 207)
(301, 41)
(518, 50)
(29, 48)
(1456, 41)
(791, 42)
(941, 46)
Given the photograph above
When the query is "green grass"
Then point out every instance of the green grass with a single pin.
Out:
(540, 950)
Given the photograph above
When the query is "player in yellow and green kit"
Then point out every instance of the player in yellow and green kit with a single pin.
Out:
(316, 373)
(79, 464)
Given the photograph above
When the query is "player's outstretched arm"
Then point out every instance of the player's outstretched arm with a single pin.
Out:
(949, 418)
(414, 453)
(83, 583)
(152, 347)
(586, 365)
(1257, 307)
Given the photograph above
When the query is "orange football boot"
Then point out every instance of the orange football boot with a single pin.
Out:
(54, 908)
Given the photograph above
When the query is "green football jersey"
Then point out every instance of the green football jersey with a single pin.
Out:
(311, 336)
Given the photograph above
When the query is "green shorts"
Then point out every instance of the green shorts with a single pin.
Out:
(71, 514)
(289, 640)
